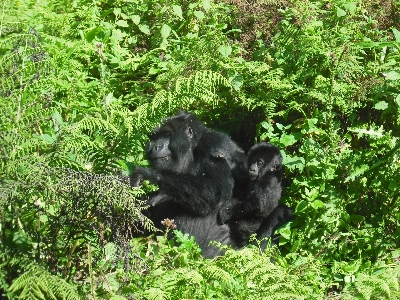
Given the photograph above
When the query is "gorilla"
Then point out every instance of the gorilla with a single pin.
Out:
(259, 210)
(197, 171)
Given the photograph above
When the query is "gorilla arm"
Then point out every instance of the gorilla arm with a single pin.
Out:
(199, 192)
(261, 200)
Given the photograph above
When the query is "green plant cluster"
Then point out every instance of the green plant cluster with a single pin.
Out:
(82, 83)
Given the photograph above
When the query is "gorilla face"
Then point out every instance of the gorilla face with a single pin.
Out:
(158, 151)
(263, 158)
(255, 166)
(172, 144)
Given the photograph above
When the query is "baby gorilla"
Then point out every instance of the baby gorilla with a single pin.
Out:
(261, 196)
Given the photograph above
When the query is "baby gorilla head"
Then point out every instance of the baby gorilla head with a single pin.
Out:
(263, 158)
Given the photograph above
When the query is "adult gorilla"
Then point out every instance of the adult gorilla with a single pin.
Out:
(196, 170)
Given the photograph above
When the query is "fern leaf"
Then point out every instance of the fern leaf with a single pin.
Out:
(155, 294)
(193, 277)
(39, 284)
(118, 297)
(216, 273)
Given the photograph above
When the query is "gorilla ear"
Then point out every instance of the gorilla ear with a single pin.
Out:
(190, 132)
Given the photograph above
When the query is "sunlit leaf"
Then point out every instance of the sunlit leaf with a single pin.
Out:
(340, 12)
(396, 34)
(317, 204)
(135, 19)
(122, 23)
(165, 31)
(225, 50)
(301, 206)
(206, 5)
(198, 14)
(177, 11)
(144, 28)
(381, 105)
(392, 75)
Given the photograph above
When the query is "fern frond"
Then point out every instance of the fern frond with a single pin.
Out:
(214, 272)
(201, 89)
(26, 63)
(382, 285)
(372, 286)
(118, 297)
(39, 284)
(289, 296)
(155, 294)
(193, 277)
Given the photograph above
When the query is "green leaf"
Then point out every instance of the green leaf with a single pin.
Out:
(89, 36)
(396, 34)
(117, 11)
(46, 138)
(153, 71)
(177, 11)
(345, 217)
(396, 253)
(43, 218)
(285, 231)
(351, 7)
(110, 99)
(225, 50)
(115, 62)
(317, 204)
(392, 75)
(144, 28)
(58, 118)
(381, 105)
(288, 139)
(122, 23)
(50, 210)
(236, 81)
(206, 5)
(357, 219)
(340, 12)
(301, 206)
(118, 297)
(294, 162)
(199, 14)
(164, 44)
(397, 100)
(118, 35)
(165, 31)
(135, 19)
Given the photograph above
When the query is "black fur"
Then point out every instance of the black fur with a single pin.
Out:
(262, 196)
(196, 170)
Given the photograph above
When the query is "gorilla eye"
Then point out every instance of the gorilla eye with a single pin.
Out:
(259, 162)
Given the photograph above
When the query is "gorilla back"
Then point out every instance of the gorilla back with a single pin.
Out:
(196, 170)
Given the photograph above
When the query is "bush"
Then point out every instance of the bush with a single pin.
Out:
(83, 83)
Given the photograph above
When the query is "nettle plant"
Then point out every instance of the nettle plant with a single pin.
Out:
(338, 126)
(143, 46)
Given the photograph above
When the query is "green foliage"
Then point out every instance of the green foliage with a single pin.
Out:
(82, 83)
(165, 269)
(39, 284)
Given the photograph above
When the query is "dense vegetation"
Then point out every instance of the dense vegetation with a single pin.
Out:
(83, 82)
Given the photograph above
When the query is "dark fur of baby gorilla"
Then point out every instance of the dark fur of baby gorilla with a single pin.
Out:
(259, 210)
(196, 170)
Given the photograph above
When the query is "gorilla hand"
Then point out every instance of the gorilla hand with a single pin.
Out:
(140, 174)
(156, 198)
